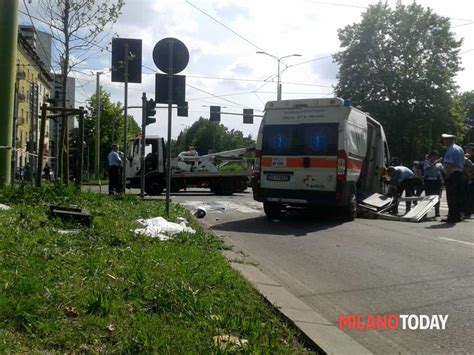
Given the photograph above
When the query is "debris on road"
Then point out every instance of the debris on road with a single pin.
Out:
(229, 342)
(68, 231)
(160, 228)
(71, 312)
(73, 215)
(200, 212)
(378, 206)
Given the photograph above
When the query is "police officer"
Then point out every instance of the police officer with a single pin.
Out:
(469, 180)
(433, 177)
(454, 165)
(401, 179)
(115, 167)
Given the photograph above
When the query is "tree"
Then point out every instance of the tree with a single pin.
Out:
(399, 65)
(466, 104)
(111, 122)
(77, 28)
(210, 136)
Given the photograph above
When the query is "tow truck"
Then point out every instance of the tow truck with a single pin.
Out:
(187, 170)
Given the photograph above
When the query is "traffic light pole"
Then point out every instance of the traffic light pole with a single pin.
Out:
(143, 141)
(8, 34)
(170, 108)
(125, 129)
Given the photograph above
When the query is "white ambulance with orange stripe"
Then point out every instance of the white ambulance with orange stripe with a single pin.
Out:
(317, 152)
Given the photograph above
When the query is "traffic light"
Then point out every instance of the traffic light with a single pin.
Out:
(248, 116)
(183, 109)
(134, 60)
(150, 112)
(215, 115)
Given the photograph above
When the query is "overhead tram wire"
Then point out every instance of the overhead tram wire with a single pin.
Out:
(225, 26)
(366, 7)
(212, 78)
(220, 98)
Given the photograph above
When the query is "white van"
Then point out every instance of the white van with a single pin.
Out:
(317, 152)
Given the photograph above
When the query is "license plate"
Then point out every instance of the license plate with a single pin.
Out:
(278, 177)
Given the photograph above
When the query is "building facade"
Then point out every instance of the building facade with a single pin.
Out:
(32, 89)
(41, 43)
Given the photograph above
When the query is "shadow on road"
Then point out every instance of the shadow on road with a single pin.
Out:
(298, 225)
(442, 226)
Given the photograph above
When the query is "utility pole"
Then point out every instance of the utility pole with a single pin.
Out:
(278, 59)
(8, 45)
(97, 131)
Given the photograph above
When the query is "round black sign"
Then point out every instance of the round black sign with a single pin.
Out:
(161, 55)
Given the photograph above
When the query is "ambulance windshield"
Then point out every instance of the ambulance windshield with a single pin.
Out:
(300, 139)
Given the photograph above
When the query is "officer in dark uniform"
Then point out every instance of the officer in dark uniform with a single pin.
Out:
(469, 176)
(454, 166)
(433, 177)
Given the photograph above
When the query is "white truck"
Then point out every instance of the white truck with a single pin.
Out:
(187, 170)
(317, 152)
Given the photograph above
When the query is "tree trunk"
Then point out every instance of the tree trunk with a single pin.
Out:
(64, 71)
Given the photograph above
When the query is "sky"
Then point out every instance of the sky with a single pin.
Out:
(223, 36)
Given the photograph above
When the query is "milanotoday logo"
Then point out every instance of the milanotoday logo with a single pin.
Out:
(393, 322)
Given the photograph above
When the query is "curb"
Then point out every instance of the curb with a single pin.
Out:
(321, 334)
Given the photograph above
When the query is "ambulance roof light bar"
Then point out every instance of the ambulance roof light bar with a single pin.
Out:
(285, 104)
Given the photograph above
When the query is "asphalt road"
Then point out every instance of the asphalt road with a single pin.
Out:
(363, 267)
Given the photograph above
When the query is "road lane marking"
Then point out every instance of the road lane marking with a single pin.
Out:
(459, 241)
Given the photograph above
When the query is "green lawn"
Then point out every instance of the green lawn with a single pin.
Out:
(107, 290)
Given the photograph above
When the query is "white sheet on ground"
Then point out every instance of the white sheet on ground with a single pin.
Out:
(159, 227)
(4, 207)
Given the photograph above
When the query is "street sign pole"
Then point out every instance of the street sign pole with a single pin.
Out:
(170, 108)
(125, 129)
(142, 154)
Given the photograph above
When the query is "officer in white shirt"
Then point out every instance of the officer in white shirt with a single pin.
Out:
(115, 167)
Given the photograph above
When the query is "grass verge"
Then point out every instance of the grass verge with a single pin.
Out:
(106, 290)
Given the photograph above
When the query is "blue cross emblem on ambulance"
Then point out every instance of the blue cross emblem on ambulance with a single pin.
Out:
(279, 142)
(318, 143)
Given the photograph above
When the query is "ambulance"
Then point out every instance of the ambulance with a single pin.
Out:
(317, 152)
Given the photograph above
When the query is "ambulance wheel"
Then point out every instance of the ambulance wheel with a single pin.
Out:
(349, 213)
(272, 210)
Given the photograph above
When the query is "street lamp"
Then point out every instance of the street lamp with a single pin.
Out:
(279, 73)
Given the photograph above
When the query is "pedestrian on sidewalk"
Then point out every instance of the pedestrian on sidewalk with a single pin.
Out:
(401, 180)
(47, 172)
(115, 167)
(433, 180)
(454, 166)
